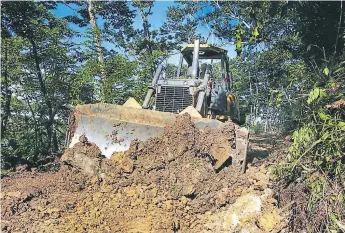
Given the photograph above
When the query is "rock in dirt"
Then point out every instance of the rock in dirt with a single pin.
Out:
(269, 220)
(236, 215)
(85, 156)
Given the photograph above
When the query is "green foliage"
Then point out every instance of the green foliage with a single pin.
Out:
(326, 71)
(119, 84)
(255, 129)
(37, 65)
(314, 94)
(317, 157)
(84, 86)
(170, 71)
(238, 38)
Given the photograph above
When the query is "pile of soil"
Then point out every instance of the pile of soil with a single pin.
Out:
(166, 184)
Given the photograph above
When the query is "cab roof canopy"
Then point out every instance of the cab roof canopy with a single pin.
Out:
(206, 51)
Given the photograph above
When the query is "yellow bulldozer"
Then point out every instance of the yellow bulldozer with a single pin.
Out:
(206, 98)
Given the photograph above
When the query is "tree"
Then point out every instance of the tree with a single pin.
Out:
(97, 36)
(145, 9)
(149, 46)
(181, 24)
(115, 17)
(170, 71)
(40, 76)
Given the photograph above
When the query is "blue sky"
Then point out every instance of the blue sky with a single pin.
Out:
(156, 20)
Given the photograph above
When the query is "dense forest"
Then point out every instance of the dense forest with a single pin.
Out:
(288, 73)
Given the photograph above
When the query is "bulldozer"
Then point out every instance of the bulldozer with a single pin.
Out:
(208, 99)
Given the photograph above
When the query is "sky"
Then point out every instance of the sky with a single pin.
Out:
(156, 20)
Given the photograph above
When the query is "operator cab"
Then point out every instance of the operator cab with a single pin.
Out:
(207, 54)
(210, 94)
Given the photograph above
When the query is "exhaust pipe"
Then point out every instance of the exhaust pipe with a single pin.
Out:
(195, 63)
(152, 86)
(180, 63)
(202, 89)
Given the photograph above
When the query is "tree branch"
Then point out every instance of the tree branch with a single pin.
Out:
(235, 17)
(339, 24)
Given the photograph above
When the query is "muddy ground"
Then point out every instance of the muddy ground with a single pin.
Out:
(166, 184)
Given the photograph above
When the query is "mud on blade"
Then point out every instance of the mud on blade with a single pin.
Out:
(113, 127)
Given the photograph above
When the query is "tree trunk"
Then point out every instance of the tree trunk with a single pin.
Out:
(35, 124)
(266, 119)
(146, 29)
(8, 95)
(251, 100)
(51, 115)
(147, 35)
(267, 107)
(257, 100)
(98, 38)
(55, 142)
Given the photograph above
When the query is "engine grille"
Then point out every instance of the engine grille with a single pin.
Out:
(173, 99)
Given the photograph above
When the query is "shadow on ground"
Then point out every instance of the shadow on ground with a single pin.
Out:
(261, 146)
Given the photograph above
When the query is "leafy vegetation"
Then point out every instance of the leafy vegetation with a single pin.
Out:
(317, 158)
(288, 73)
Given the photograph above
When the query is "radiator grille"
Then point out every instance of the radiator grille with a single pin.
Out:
(173, 99)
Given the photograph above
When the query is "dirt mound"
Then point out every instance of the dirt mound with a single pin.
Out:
(84, 156)
(166, 184)
(30, 198)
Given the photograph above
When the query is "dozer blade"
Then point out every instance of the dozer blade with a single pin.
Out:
(113, 127)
